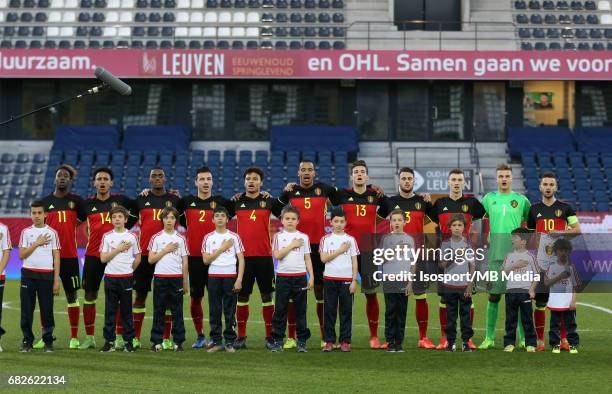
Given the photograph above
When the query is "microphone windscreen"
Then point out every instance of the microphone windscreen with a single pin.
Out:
(115, 83)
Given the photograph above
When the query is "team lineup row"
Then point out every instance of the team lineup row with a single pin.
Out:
(360, 206)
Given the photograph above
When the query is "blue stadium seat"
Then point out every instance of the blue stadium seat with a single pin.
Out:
(520, 5)
(340, 158)
(214, 158)
(535, 19)
(209, 44)
(261, 158)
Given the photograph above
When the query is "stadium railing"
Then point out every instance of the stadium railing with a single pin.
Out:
(447, 31)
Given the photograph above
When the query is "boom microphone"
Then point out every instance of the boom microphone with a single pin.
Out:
(115, 83)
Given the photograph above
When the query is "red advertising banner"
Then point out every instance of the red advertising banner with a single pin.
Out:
(137, 63)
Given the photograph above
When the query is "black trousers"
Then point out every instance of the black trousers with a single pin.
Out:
(337, 301)
(290, 287)
(396, 306)
(2, 282)
(43, 289)
(519, 303)
(222, 300)
(118, 294)
(168, 294)
(569, 317)
(457, 303)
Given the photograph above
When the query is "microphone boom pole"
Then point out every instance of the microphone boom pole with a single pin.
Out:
(88, 92)
(107, 79)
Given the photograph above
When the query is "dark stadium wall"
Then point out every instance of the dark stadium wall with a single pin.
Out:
(430, 10)
(382, 110)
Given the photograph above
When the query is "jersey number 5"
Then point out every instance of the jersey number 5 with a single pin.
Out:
(307, 204)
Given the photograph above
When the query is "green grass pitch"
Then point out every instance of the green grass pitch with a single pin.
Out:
(363, 370)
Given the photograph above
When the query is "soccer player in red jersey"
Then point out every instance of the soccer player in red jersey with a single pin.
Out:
(360, 204)
(416, 210)
(443, 209)
(149, 208)
(253, 213)
(97, 208)
(64, 214)
(198, 219)
(550, 219)
(310, 198)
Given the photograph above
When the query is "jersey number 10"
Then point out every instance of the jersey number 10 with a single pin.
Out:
(549, 224)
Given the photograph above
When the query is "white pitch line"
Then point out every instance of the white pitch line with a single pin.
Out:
(599, 308)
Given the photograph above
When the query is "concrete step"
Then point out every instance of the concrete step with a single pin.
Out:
(384, 27)
(491, 16)
(367, 6)
(367, 15)
(490, 5)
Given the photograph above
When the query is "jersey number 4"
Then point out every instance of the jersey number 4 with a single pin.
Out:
(252, 215)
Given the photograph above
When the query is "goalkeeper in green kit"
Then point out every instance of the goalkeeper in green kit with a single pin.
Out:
(506, 210)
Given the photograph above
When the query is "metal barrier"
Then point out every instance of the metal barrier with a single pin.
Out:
(473, 163)
(479, 30)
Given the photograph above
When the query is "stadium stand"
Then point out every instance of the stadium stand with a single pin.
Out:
(540, 139)
(131, 168)
(584, 176)
(167, 24)
(550, 25)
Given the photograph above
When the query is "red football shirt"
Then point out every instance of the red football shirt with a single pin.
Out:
(64, 215)
(149, 208)
(198, 219)
(312, 204)
(360, 211)
(253, 224)
(99, 219)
